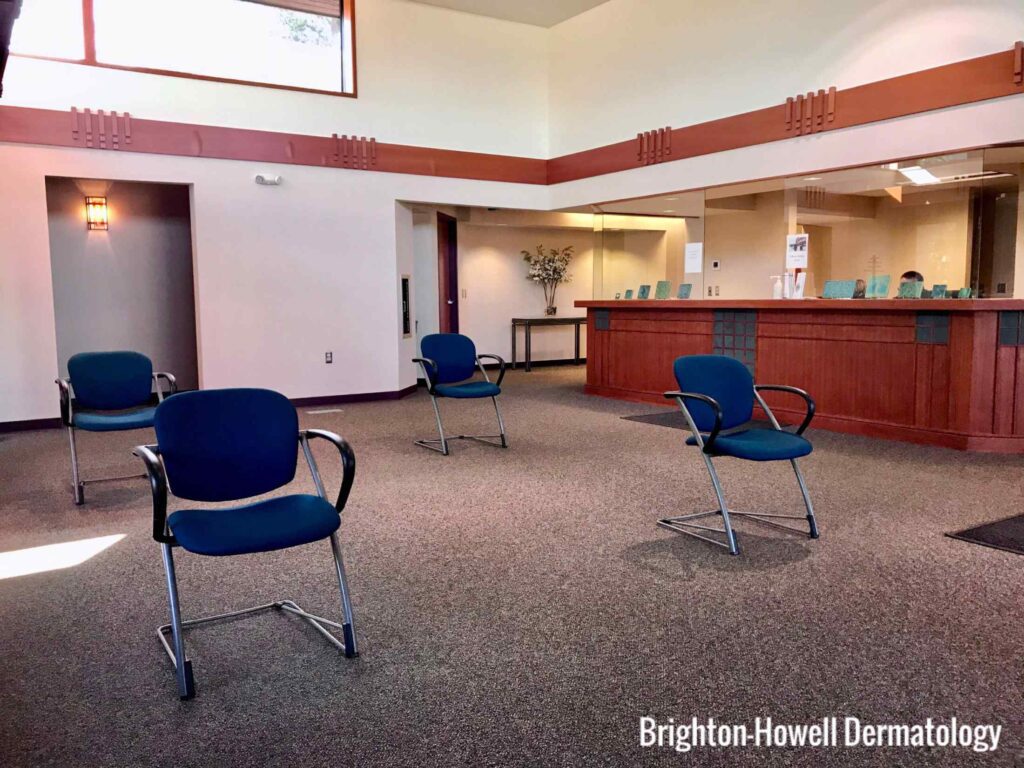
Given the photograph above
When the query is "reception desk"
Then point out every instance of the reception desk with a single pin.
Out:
(946, 372)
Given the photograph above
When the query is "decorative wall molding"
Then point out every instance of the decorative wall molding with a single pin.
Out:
(811, 113)
(951, 85)
(356, 152)
(653, 146)
(90, 128)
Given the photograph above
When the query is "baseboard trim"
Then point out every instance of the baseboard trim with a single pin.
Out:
(521, 366)
(362, 397)
(29, 425)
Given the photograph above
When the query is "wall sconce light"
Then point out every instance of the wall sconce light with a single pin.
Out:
(96, 213)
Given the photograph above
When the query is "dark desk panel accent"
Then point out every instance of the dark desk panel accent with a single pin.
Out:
(880, 368)
(932, 328)
(735, 335)
(1011, 329)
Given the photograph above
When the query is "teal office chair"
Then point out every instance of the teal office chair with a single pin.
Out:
(717, 395)
(449, 361)
(108, 392)
(223, 445)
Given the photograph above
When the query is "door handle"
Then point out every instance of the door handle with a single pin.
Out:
(451, 301)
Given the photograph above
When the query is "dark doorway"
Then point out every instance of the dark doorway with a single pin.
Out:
(448, 273)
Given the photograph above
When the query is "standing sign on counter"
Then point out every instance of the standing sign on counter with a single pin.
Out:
(796, 251)
(694, 261)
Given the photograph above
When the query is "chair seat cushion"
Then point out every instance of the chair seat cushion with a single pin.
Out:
(759, 445)
(115, 422)
(472, 389)
(278, 523)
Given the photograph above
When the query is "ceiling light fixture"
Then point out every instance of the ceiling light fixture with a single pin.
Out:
(919, 175)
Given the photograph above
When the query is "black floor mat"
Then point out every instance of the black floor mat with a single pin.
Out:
(1005, 534)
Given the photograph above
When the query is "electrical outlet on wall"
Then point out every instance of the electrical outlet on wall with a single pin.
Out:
(716, 290)
(328, 357)
(463, 293)
(709, 290)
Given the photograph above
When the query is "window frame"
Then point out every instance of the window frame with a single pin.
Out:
(348, 18)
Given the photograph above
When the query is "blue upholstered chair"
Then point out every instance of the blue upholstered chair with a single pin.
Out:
(228, 445)
(449, 361)
(717, 395)
(108, 392)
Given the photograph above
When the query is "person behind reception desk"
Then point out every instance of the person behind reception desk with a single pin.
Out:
(859, 289)
(914, 276)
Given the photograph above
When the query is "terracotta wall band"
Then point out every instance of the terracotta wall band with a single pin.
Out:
(964, 82)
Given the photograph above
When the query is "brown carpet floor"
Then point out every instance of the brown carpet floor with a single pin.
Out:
(520, 607)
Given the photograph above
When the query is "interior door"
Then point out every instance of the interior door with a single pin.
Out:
(447, 273)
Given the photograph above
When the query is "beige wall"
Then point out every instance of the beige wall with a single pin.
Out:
(931, 239)
(751, 247)
(667, 62)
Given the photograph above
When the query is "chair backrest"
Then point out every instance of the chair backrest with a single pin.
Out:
(454, 354)
(227, 444)
(726, 380)
(110, 381)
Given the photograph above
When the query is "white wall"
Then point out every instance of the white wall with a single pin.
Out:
(425, 286)
(632, 65)
(426, 76)
(282, 274)
(493, 275)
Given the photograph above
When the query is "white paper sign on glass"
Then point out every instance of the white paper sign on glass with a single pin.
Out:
(796, 251)
(694, 261)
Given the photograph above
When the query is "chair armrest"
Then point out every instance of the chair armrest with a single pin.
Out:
(348, 462)
(172, 383)
(707, 400)
(150, 455)
(793, 391)
(64, 386)
(501, 366)
(427, 365)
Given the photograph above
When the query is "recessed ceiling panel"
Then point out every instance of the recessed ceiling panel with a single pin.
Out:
(540, 13)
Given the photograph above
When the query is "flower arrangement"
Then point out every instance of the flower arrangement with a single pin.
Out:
(550, 268)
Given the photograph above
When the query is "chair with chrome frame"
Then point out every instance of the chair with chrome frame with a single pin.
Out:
(717, 395)
(228, 445)
(449, 360)
(115, 390)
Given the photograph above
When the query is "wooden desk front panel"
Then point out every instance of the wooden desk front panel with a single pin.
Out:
(866, 370)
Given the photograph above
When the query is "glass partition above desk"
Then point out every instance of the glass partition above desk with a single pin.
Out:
(949, 225)
(641, 246)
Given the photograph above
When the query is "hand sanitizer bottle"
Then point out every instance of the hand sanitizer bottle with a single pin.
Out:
(777, 287)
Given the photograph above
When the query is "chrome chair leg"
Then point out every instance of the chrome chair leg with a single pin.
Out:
(730, 535)
(812, 523)
(442, 445)
(78, 486)
(348, 627)
(182, 665)
(432, 444)
(501, 423)
(682, 524)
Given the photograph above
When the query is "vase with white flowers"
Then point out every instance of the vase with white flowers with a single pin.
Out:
(550, 268)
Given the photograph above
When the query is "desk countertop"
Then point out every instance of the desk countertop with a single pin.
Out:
(815, 305)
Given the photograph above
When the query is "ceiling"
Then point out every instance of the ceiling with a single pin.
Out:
(540, 13)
